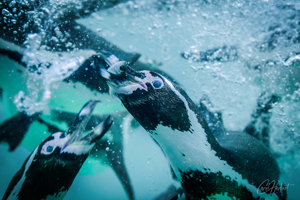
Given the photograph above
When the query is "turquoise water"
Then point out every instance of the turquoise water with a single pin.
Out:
(266, 36)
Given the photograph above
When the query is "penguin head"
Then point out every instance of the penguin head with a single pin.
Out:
(69, 145)
(150, 97)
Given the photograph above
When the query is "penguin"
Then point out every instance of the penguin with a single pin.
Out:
(236, 166)
(51, 168)
(113, 157)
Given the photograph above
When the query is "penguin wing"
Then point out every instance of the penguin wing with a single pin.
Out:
(14, 55)
(213, 118)
(250, 157)
(14, 129)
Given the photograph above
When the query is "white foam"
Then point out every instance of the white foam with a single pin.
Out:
(44, 81)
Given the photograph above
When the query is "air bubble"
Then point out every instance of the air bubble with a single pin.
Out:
(6, 13)
(13, 21)
(12, 4)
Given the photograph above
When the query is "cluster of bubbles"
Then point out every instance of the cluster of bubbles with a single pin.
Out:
(46, 72)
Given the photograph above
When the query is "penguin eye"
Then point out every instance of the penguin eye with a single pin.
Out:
(49, 149)
(157, 84)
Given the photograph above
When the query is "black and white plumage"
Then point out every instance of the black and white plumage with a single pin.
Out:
(109, 149)
(235, 165)
(51, 169)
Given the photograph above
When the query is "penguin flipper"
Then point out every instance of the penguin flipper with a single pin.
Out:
(213, 119)
(14, 129)
(259, 125)
(116, 161)
(115, 156)
(14, 55)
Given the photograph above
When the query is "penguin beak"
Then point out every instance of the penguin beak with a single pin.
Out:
(98, 132)
(74, 133)
(120, 77)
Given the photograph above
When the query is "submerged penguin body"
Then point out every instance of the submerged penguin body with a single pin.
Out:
(50, 170)
(206, 167)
